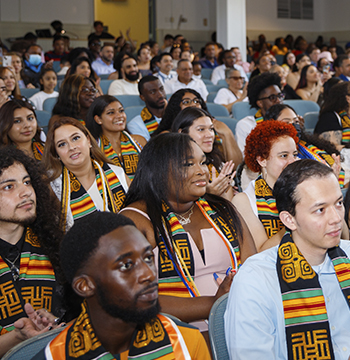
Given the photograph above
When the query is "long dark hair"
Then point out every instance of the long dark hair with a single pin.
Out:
(336, 100)
(297, 59)
(77, 62)
(303, 81)
(163, 157)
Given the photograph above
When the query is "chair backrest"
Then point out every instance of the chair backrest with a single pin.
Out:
(105, 85)
(211, 96)
(29, 92)
(49, 104)
(104, 76)
(217, 329)
(206, 73)
(29, 348)
(129, 100)
(302, 106)
(223, 83)
(229, 121)
(132, 111)
(207, 82)
(311, 119)
(56, 66)
(242, 109)
(212, 88)
(217, 110)
(43, 117)
(279, 59)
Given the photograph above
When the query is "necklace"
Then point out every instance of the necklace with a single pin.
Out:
(14, 269)
(183, 218)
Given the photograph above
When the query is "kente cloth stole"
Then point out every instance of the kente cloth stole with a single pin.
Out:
(266, 205)
(129, 151)
(259, 118)
(36, 284)
(175, 276)
(158, 339)
(38, 150)
(75, 196)
(305, 313)
(307, 151)
(149, 120)
(345, 123)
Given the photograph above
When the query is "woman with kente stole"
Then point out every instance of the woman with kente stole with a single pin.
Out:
(270, 147)
(194, 234)
(106, 120)
(83, 179)
(19, 127)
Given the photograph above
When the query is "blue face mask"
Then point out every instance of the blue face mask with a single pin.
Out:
(34, 59)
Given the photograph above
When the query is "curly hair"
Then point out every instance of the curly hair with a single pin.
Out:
(258, 84)
(336, 100)
(259, 142)
(16, 93)
(7, 114)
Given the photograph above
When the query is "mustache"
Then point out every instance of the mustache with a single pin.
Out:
(147, 288)
(25, 202)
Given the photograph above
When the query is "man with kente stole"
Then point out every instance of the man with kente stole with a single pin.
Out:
(29, 230)
(111, 265)
(153, 94)
(294, 299)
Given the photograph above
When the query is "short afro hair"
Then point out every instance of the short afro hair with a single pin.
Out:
(258, 84)
(261, 139)
(81, 241)
(144, 80)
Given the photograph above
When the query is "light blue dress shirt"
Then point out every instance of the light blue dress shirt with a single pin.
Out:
(136, 126)
(254, 318)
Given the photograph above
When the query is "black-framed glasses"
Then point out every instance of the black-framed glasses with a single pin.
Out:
(274, 97)
(188, 101)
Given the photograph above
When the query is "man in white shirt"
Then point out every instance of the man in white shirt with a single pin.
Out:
(104, 64)
(165, 65)
(127, 85)
(229, 60)
(185, 80)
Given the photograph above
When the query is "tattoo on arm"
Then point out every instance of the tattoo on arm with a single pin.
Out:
(333, 136)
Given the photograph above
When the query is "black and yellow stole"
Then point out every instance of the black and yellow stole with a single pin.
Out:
(149, 120)
(266, 205)
(176, 280)
(305, 313)
(158, 339)
(345, 123)
(36, 284)
(259, 117)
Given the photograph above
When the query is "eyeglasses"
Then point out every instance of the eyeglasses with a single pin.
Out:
(86, 90)
(188, 101)
(274, 97)
(236, 78)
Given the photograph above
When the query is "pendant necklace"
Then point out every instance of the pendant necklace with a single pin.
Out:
(185, 218)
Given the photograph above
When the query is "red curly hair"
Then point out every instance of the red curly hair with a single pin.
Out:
(261, 139)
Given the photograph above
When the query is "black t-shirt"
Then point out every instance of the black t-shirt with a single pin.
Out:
(328, 121)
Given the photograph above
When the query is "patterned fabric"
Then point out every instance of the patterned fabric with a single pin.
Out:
(307, 151)
(267, 210)
(305, 313)
(80, 202)
(36, 284)
(176, 275)
(129, 153)
(345, 123)
(38, 150)
(259, 118)
(158, 339)
(149, 120)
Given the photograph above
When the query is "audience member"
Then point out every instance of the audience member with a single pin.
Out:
(64, 65)
(293, 77)
(280, 47)
(289, 92)
(175, 52)
(209, 60)
(239, 61)
(313, 51)
(30, 237)
(333, 43)
(153, 94)
(167, 43)
(342, 67)
(263, 65)
(279, 288)
(3, 93)
(58, 49)
(144, 60)
(197, 70)
(82, 178)
(154, 48)
(310, 84)
(17, 65)
(185, 80)
(128, 325)
(300, 46)
(104, 64)
(48, 81)
(288, 61)
(99, 32)
(94, 45)
(165, 65)
(9, 78)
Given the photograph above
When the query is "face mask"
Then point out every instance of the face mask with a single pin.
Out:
(298, 129)
(34, 59)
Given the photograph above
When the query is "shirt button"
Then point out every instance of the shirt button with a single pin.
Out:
(328, 299)
(344, 348)
(333, 327)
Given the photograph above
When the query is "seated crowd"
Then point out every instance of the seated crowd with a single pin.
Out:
(123, 232)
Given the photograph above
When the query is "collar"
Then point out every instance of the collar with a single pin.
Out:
(32, 67)
(6, 247)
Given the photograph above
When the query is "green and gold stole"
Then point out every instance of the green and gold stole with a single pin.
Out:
(305, 313)
(159, 339)
(149, 120)
(307, 151)
(267, 210)
(129, 153)
(259, 118)
(80, 202)
(36, 284)
(345, 123)
(38, 150)
(175, 279)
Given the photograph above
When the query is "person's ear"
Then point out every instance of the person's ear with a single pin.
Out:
(262, 162)
(84, 286)
(142, 98)
(259, 103)
(288, 220)
(41, 81)
(98, 119)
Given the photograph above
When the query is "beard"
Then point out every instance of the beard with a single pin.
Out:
(154, 105)
(131, 77)
(23, 221)
(130, 313)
